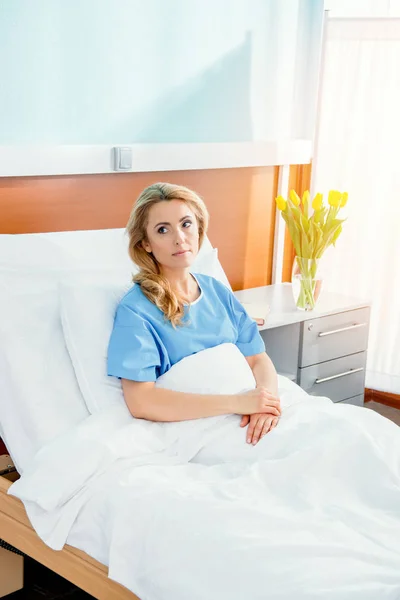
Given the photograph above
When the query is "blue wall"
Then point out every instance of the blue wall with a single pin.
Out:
(128, 71)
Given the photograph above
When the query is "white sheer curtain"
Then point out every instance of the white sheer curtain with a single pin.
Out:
(358, 150)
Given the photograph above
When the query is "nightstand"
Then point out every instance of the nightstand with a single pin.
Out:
(11, 561)
(324, 350)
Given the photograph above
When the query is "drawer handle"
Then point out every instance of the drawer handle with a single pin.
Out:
(339, 375)
(355, 326)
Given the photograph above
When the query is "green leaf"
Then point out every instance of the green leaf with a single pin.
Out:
(293, 232)
(336, 234)
(319, 240)
(329, 235)
(294, 211)
(311, 236)
(305, 224)
(305, 246)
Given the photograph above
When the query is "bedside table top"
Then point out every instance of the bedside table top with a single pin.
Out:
(283, 310)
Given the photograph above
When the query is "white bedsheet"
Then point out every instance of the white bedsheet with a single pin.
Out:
(312, 511)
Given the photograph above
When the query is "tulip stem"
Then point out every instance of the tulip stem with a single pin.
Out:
(307, 269)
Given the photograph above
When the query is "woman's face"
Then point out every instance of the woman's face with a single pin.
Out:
(172, 234)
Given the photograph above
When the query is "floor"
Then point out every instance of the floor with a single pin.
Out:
(387, 411)
(43, 584)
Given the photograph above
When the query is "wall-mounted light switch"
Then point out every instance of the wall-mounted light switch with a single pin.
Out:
(122, 158)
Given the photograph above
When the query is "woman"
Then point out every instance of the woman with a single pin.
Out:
(171, 313)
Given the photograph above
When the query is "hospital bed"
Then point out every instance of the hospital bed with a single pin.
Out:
(104, 248)
(84, 559)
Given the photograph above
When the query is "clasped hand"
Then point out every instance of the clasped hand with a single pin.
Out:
(260, 423)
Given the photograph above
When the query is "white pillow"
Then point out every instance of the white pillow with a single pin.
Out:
(218, 271)
(94, 248)
(21, 281)
(219, 370)
(39, 397)
(30, 252)
(101, 248)
(87, 314)
(29, 287)
(38, 262)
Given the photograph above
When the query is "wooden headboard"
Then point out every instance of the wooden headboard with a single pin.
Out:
(241, 203)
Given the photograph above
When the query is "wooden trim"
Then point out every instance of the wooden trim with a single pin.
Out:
(382, 397)
(72, 564)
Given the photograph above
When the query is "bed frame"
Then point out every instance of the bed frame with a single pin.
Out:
(39, 204)
(72, 564)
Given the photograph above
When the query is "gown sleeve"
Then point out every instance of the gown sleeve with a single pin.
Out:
(249, 340)
(133, 351)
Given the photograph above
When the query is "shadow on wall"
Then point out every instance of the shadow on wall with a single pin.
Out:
(214, 106)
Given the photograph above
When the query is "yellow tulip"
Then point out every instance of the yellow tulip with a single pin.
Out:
(306, 202)
(317, 202)
(334, 198)
(281, 203)
(294, 198)
(312, 235)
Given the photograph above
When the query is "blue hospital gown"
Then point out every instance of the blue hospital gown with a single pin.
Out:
(143, 345)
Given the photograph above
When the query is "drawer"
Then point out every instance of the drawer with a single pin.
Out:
(357, 400)
(333, 336)
(337, 379)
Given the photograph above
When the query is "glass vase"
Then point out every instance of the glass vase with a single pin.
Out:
(306, 282)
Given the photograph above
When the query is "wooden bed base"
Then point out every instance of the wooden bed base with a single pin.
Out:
(72, 564)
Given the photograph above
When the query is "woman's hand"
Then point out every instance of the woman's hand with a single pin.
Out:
(259, 400)
(259, 425)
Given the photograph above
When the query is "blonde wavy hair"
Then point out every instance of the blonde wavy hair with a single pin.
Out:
(154, 286)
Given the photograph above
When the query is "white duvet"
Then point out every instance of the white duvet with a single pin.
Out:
(192, 512)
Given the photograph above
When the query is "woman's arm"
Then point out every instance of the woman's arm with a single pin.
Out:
(145, 401)
(264, 372)
(265, 375)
